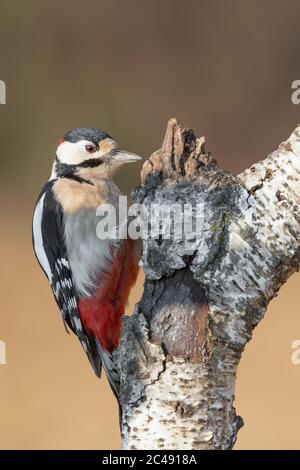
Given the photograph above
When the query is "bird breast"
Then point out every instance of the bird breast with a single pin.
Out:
(89, 257)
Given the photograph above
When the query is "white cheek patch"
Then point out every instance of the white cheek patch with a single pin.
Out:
(73, 153)
(68, 152)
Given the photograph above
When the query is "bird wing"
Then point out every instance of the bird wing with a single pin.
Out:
(50, 250)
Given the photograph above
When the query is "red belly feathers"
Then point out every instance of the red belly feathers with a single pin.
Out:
(101, 314)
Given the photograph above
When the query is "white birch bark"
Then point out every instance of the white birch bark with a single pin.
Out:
(180, 349)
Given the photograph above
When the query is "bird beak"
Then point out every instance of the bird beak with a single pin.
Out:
(121, 156)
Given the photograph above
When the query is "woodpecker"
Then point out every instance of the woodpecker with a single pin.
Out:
(90, 278)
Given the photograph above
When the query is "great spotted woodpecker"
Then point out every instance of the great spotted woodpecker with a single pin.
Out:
(91, 278)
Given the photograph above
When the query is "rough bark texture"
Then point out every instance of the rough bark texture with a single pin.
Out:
(180, 349)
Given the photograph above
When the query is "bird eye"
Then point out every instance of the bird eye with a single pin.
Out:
(90, 148)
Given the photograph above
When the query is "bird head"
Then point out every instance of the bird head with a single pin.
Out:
(90, 154)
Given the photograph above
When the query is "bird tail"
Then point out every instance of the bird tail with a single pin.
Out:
(110, 370)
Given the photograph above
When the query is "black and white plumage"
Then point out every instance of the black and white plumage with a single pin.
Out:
(50, 250)
(86, 274)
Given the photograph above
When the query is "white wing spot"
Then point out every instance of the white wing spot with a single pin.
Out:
(38, 238)
(77, 323)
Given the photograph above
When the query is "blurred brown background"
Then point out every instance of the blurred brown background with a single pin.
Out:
(224, 68)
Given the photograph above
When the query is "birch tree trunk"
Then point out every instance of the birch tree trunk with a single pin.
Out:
(180, 349)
